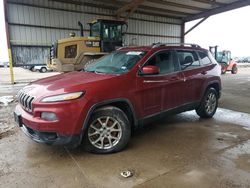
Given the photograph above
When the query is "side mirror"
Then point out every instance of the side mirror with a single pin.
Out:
(150, 70)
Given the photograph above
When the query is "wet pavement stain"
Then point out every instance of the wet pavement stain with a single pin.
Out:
(180, 150)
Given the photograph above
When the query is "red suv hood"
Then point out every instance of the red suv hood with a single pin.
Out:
(68, 82)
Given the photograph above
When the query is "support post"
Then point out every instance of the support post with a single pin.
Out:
(8, 42)
(183, 32)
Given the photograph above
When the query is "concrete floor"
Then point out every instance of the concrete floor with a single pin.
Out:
(179, 151)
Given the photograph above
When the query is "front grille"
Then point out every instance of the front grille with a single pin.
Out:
(25, 100)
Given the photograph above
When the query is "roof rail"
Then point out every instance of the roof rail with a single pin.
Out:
(158, 44)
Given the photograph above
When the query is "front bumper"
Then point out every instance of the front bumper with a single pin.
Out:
(51, 138)
(61, 132)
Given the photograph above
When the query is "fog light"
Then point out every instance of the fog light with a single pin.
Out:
(49, 116)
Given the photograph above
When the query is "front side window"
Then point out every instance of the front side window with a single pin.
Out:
(188, 59)
(117, 62)
(204, 58)
(165, 62)
(70, 51)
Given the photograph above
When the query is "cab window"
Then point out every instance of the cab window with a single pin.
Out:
(95, 30)
(70, 51)
(112, 32)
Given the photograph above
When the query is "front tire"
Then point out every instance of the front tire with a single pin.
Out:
(209, 104)
(108, 131)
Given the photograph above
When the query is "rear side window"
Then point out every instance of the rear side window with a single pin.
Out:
(204, 58)
(188, 59)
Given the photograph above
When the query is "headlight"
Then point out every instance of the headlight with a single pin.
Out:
(63, 97)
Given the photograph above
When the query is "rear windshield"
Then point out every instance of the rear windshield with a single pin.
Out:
(117, 62)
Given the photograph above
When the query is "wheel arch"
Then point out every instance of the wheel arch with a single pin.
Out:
(214, 84)
(124, 104)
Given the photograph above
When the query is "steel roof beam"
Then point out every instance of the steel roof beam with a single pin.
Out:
(147, 9)
(128, 9)
(196, 25)
(144, 8)
(211, 2)
(224, 8)
(175, 4)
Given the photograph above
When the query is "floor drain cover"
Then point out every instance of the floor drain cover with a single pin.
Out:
(126, 174)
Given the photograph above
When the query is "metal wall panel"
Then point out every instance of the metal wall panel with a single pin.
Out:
(40, 23)
(29, 55)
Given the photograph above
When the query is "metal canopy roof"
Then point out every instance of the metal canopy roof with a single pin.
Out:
(187, 10)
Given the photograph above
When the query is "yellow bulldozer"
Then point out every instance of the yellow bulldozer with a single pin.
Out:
(75, 52)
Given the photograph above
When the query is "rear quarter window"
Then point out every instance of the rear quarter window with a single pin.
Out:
(204, 58)
(188, 59)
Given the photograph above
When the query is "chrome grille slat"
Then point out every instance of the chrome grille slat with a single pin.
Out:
(20, 97)
(26, 101)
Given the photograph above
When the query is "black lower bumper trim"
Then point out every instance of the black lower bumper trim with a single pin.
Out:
(51, 138)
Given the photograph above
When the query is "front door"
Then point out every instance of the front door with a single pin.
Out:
(160, 92)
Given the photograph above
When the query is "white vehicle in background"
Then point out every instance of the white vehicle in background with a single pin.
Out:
(4, 64)
(41, 68)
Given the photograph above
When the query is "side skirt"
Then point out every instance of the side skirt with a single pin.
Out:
(169, 112)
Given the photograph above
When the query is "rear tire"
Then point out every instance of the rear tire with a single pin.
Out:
(209, 104)
(234, 70)
(108, 131)
(43, 70)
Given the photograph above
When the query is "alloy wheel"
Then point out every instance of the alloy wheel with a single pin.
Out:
(104, 132)
(210, 104)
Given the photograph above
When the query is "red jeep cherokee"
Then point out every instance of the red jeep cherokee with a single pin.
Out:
(101, 104)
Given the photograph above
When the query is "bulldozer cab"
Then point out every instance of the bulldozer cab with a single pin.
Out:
(76, 52)
(110, 33)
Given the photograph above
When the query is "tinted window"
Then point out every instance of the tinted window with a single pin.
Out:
(70, 51)
(95, 29)
(204, 58)
(163, 60)
(112, 32)
(188, 59)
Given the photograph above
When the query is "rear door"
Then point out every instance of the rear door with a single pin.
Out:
(194, 74)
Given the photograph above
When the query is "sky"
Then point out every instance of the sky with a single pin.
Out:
(229, 30)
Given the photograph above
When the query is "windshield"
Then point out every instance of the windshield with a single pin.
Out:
(117, 62)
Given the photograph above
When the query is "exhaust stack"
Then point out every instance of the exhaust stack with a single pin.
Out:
(81, 28)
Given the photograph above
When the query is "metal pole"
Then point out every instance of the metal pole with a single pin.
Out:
(183, 32)
(8, 42)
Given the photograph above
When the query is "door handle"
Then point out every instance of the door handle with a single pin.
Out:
(204, 72)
